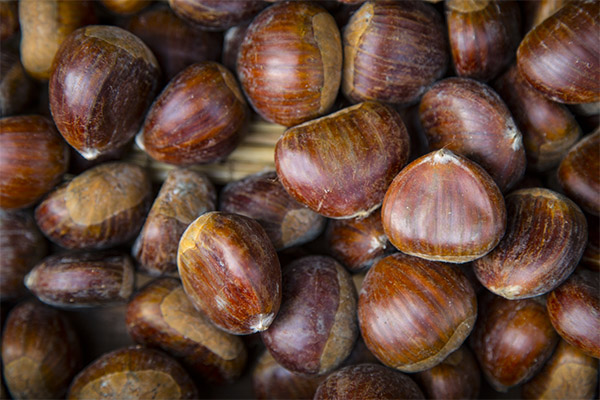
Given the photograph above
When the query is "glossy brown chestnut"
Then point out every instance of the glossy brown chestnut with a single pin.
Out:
(9, 15)
(103, 80)
(161, 316)
(125, 6)
(230, 271)
(574, 310)
(367, 381)
(569, 374)
(33, 159)
(413, 313)
(341, 165)
(183, 197)
(444, 207)
(393, 51)
(17, 90)
(560, 57)
(103, 207)
(512, 340)
(545, 238)
(40, 352)
(72, 280)
(262, 197)
(578, 173)
(469, 118)
(133, 373)
(290, 62)
(216, 14)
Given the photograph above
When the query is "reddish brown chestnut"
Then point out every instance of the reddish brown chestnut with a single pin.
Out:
(341, 165)
(444, 207)
(290, 62)
(230, 271)
(216, 14)
(413, 313)
(103, 80)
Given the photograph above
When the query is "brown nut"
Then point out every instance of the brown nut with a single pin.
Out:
(125, 6)
(591, 254)
(232, 40)
(9, 15)
(17, 90)
(216, 14)
(535, 12)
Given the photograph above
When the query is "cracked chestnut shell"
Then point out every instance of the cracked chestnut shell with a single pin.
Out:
(230, 271)
(413, 312)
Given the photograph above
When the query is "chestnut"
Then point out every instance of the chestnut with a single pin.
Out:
(125, 7)
(535, 12)
(232, 40)
(290, 62)
(413, 312)
(102, 207)
(40, 352)
(9, 15)
(103, 80)
(33, 159)
(17, 90)
(230, 271)
(133, 372)
(444, 207)
(216, 14)
(591, 254)
(340, 165)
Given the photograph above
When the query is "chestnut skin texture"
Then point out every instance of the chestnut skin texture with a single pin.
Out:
(33, 159)
(133, 373)
(216, 14)
(561, 58)
(371, 142)
(198, 118)
(574, 310)
(367, 381)
(393, 51)
(443, 207)
(230, 272)
(413, 312)
(102, 82)
(40, 352)
(290, 62)
(161, 316)
(545, 238)
(512, 339)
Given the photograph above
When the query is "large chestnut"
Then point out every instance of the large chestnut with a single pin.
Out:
(216, 14)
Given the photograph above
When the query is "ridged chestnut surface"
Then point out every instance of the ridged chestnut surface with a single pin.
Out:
(102, 82)
(216, 14)
(161, 316)
(230, 271)
(133, 373)
(262, 197)
(183, 197)
(198, 118)
(469, 118)
(103, 207)
(393, 51)
(444, 207)
(341, 165)
(413, 313)
(33, 159)
(316, 326)
(290, 62)
(545, 238)
(561, 56)
(574, 310)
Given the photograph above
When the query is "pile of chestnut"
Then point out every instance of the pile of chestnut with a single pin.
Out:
(429, 228)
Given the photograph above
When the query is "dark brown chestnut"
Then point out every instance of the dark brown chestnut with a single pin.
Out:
(216, 14)
(230, 271)
(413, 312)
(102, 82)
(591, 254)
(17, 90)
(341, 165)
(9, 15)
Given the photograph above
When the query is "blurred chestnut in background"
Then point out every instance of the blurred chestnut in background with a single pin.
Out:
(413, 313)
(469, 118)
(560, 57)
(17, 90)
(9, 15)
(33, 159)
(444, 207)
(103, 80)
(232, 40)
(290, 62)
(40, 352)
(125, 7)
(216, 14)
(230, 271)
(512, 339)
(340, 165)
(103, 207)
(393, 51)
(535, 12)
(591, 254)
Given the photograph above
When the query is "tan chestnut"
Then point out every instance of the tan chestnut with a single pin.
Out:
(230, 271)
(216, 14)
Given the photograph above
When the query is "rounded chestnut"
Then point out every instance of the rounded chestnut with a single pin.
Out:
(413, 312)
(102, 82)
(230, 271)
(290, 62)
(216, 14)
(17, 90)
